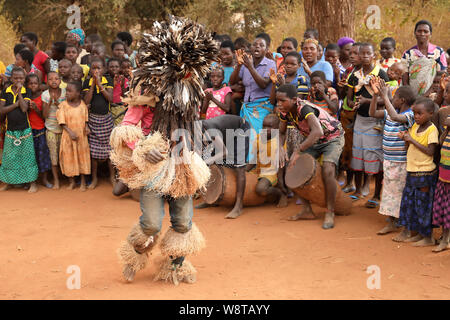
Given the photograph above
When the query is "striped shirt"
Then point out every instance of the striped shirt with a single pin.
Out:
(394, 148)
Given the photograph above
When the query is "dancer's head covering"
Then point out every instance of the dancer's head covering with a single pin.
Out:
(344, 40)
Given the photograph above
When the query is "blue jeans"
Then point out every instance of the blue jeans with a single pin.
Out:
(152, 208)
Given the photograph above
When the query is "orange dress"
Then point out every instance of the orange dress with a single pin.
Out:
(74, 156)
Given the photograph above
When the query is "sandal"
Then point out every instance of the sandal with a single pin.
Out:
(355, 198)
(371, 204)
(349, 189)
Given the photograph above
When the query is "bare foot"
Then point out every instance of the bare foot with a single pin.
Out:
(83, 187)
(328, 222)
(71, 186)
(93, 183)
(5, 187)
(305, 214)
(390, 227)
(56, 185)
(425, 242)
(203, 205)
(33, 188)
(402, 236)
(236, 212)
(283, 202)
(128, 273)
(443, 245)
(365, 190)
(416, 238)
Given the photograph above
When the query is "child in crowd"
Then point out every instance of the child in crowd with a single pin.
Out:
(387, 49)
(127, 40)
(287, 45)
(51, 98)
(89, 41)
(395, 74)
(217, 100)
(345, 45)
(332, 54)
(441, 205)
(36, 119)
(76, 73)
(367, 151)
(98, 93)
(267, 165)
(126, 69)
(322, 96)
(17, 48)
(99, 51)
(242, 44)
(74, 155)
(24, 59)
(433, 91)
(226, 56)
(64, 67)
(118, 50)
(18, 159)
(40, 59)
(58, 53)
(416, 209)
(347, 117)
(118, 109)
(72, 56)
(399, 118)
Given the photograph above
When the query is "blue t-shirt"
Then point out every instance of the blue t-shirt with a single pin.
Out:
(320, 65)
(394, 148)
(227, 74)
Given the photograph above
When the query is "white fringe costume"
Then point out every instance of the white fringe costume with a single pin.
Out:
(171, 81)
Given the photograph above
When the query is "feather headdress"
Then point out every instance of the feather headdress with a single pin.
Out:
(173, 61)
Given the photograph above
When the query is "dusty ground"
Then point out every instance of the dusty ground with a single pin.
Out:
(258, 256)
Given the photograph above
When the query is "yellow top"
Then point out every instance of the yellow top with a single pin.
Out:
(63, 85)
(416, 160)
(267, 157)
(2, 68)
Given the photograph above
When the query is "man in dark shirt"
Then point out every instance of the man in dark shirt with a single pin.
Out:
(230, 136)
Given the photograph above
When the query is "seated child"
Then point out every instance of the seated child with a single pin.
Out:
(72, 115)
(217, 100)
(267, 161)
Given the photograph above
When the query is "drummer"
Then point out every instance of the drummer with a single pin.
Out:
(230, 135)
(323, 136)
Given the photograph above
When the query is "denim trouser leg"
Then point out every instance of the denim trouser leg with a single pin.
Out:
(152, 208)
(181, 213)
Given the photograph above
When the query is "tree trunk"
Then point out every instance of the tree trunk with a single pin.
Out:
(332, 18)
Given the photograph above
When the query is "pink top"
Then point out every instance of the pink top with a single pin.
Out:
(117, 91)
(39, 62)
(136, 114)
(214, 110)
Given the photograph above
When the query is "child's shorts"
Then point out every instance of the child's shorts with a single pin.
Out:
(53, 143)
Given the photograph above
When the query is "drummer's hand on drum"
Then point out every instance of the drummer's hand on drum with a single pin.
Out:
(154, 156)
(293, 159)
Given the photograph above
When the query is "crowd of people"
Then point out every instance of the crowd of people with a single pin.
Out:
(360, 114)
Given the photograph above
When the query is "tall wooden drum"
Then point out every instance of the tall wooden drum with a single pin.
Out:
(305, 179)
(221, 188)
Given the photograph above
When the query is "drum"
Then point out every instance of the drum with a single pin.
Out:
(136, 194)
(221, 188)
(305, 179)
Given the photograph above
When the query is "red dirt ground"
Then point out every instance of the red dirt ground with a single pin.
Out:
(260, 255)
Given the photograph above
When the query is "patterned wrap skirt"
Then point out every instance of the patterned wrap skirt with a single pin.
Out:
(367, 151)
(18, 160)
(100, 127)
(53, 143)
(416, 208)
(441, 205)
(41, 150)
(393, 184)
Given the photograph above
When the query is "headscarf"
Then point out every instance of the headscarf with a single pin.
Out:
(77, 34)
(311, 40)
(344, 40)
